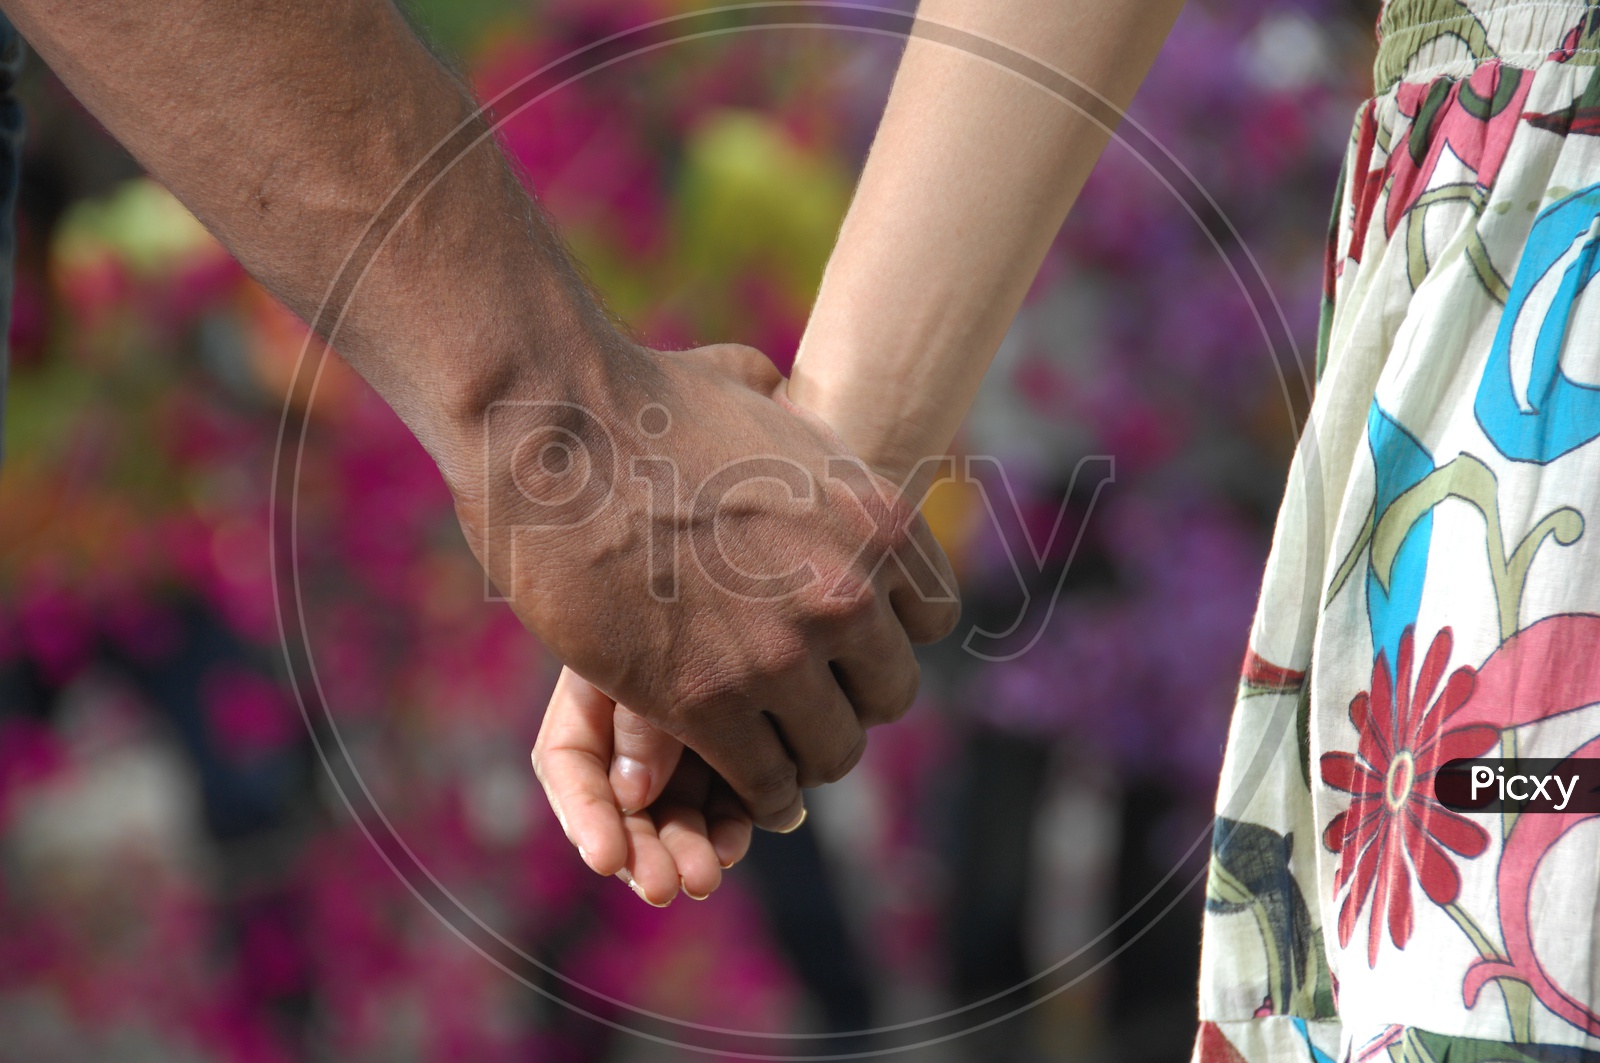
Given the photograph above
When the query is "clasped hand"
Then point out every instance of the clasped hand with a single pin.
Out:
(718, 572)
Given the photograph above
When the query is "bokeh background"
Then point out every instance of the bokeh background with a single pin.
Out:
(179, 878)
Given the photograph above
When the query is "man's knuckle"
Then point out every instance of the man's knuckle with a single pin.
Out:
(844, 599)
(932, 621)
(697, 708)
(769, 781)
(892, 702)
(949, 616)
(906, 695)
(782, 656)
(845, 765)
(895, 534)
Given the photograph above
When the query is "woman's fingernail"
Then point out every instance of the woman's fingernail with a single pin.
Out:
(561, 818)
(791, 828)
(693, 896)
(633, 776)
(634, 886)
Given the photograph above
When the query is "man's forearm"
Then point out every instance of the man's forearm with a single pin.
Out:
(970, 176)
(286, 128)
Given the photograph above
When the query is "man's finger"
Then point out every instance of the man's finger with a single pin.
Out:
(642, 761)
(904, 557)
(877, 670)
(572, 758)
(746, 750)
(821, 728)
(728, 824)
(926, 604)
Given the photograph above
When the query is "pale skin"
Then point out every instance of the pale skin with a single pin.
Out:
(970, 176)
(286, 128)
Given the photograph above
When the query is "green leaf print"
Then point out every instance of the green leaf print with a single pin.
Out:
(1470, 480)
(1250, 873)
(1423, 1046)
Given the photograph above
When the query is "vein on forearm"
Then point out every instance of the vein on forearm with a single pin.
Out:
(998, 112)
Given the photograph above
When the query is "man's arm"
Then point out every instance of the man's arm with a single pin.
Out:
(285, 128)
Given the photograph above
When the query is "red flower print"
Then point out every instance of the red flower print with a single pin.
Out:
(1392, 811)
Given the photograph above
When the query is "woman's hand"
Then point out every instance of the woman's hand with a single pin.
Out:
(670, 823)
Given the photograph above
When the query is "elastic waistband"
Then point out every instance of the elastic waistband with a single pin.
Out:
(1426, 38)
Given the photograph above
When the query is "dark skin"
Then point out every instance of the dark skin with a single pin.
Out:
(286, 128)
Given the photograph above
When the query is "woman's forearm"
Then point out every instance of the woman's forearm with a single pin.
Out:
(973, 169)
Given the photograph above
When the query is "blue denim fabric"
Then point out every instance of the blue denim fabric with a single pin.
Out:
(11, 133)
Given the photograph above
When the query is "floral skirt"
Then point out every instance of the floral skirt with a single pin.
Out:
(1434, 585)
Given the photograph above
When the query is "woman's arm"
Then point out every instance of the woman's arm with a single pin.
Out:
(973, 169)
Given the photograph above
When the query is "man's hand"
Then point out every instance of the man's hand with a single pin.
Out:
(713, 578)
(714, 559)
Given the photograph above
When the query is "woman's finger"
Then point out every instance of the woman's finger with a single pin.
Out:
(643, 760)
(682, 829)
(680, 816)
(572, 758)
(650, 869)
